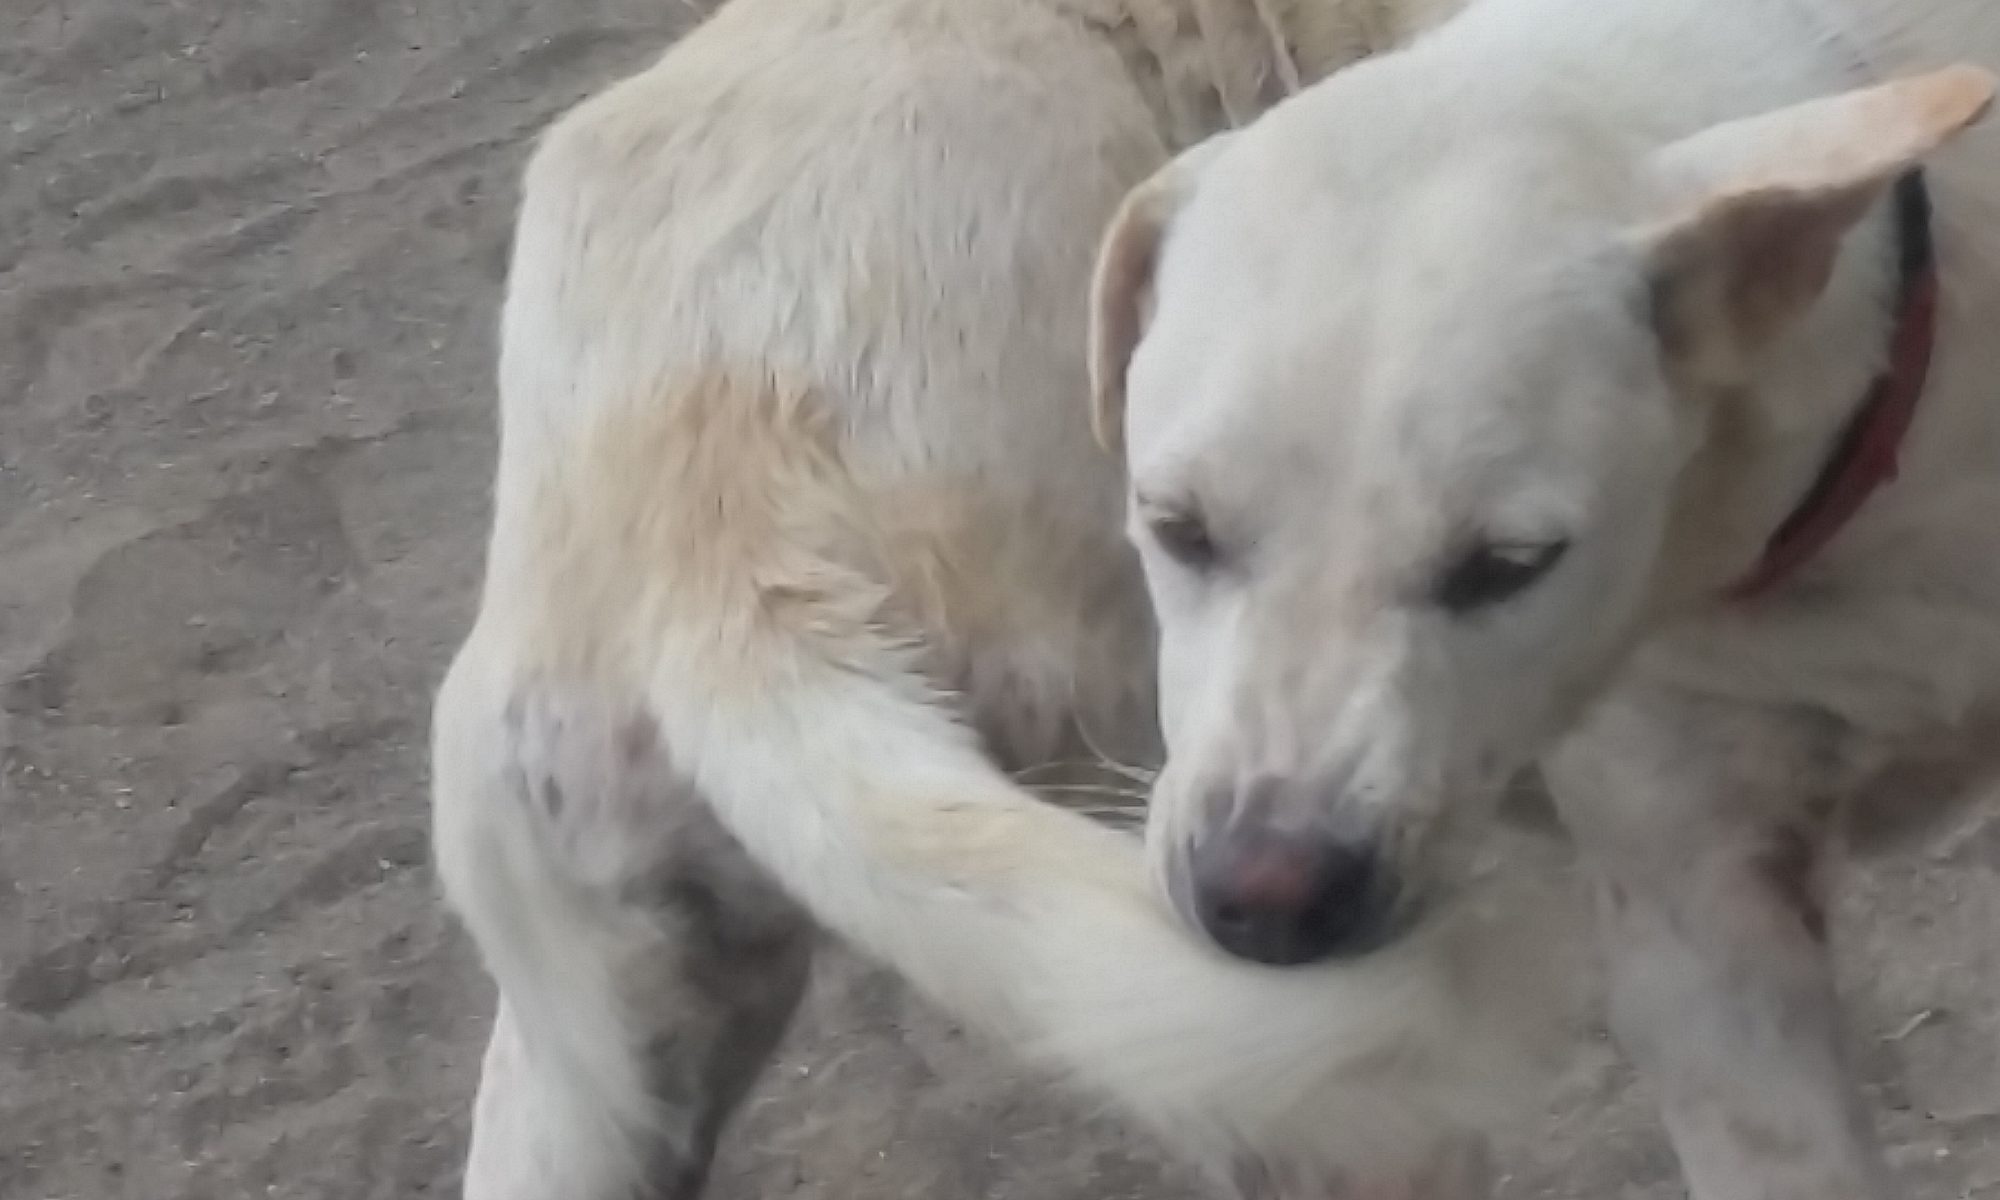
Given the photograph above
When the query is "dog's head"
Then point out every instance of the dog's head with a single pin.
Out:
(1430, 407)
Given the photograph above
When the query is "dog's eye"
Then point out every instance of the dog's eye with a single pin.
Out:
(1184, 536)
(1495, 571)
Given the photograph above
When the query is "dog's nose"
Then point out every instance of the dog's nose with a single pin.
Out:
(1285, 900)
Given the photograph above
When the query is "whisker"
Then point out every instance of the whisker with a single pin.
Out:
(1135, 798)
(1133, 773)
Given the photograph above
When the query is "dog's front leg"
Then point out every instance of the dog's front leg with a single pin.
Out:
(1706, 826)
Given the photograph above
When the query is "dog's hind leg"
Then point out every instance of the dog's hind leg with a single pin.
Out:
(1706, 824)
(646, 968)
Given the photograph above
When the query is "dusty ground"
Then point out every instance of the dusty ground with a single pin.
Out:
(249, 256)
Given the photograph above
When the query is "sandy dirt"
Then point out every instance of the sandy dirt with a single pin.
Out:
(249, 261)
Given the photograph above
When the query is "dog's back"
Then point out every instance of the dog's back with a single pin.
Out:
(881, 210)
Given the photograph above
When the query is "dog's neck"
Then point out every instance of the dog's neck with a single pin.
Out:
(1205, 66)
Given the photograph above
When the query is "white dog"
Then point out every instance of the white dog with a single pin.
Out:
(799, 531)
(1554, 372)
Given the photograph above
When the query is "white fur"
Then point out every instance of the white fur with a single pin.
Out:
(799, 526)
(1496, 287)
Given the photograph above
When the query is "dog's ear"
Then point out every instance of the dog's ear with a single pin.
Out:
(1121, 289)
(1762, 204)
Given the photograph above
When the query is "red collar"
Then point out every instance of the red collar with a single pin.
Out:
(1865, 457)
